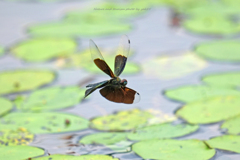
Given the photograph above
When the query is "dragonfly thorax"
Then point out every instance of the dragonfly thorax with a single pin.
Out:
(117, 82)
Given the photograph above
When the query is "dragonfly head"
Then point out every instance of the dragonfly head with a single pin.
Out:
(123, 82)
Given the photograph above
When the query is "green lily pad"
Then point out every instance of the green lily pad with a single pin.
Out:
(171, 67)
(5, 106)
(82, 157)
(84, 60)
(24, 80)
(42, 49)
(210, 110)
(227, 79)
(166, 149)
(50, 99)
(1, 50)
(226, 142)
(220, 51)
(103, 138)
(191, 93)
(68, 29)
(212, 24)
(232, 125)
(47, 122)
(19, 152)
(121, 121)
(15, 137)
(166, 130)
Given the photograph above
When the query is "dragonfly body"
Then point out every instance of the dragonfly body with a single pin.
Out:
(114, 89)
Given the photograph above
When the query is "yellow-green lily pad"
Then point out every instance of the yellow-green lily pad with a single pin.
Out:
(232, 125)
(1, 50)
(225, 142)
(19, 152)
(174, 66)
(42, 49)
(190, 93)
(227, 79)
(121, 121)
(210, 110)
(220, 50)
(82, 157)
(105, 138)
(50, 99)
(5, 106)
(83, 60)
(166, 149)
(46, 122)
(166, 130)
(24, 80)
(19, 136)
(73, 29)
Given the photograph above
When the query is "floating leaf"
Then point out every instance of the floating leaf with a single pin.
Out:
(212, 24)
(82, 157)
(220, 51)
(232, 125)
(228, 79)
(42, 49)
(166, 130)
(23, 80)
(47, 122)
(171, 67)
(210, 110)
(121, 121)
(50, 99)
(225, 142)
(103, 138)
(15, 137)
(84, 60)
(5, 106)
(68, 29)
(1, 50)
(166, 149)
(191, 93)
(19, 152)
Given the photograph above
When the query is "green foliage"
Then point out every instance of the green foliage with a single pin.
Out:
(5, 106)
(1, 50)
(82, 157)
(232, 125)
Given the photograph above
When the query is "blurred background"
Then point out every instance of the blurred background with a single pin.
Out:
(184, 61)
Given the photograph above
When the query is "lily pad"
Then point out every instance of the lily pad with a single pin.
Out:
(191, 93)
(47, 122)
(220, 51)
(68, 29)
(24, 80)
(42, 49)
(19, 152)
(83, 60)
(121, 121)
(232, 125)
(226, 142)
(15, 137)
(166, 130)
(212, 24)
(227, 79)
(171, 67)
(82, 157)
(103, 138)
(50, 99)
(210, 110)
(5, 106)
(166, 149)
(1, 50)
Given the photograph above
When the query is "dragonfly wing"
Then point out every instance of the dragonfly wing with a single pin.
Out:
(99, 60)
(120, 95)
(94, 87)
(122, 54)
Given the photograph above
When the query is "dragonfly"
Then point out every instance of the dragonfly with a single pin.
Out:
(115, 89)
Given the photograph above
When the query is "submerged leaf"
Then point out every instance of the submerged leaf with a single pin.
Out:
(23, 80)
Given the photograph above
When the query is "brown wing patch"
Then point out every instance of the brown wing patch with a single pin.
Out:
(129, 95)
(104, 67)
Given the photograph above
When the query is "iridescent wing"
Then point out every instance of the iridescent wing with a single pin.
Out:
(98, 59)
(120, 95)
(122, 54)
(95, 86)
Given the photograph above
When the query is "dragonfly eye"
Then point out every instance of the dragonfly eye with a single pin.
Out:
(124, 82)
